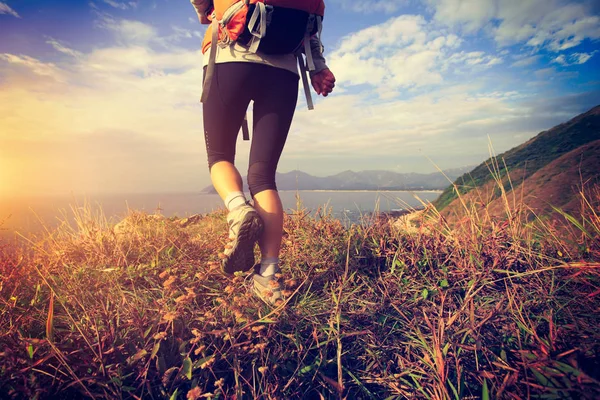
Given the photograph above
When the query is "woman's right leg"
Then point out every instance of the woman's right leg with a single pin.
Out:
(225, 178)
(269, 207)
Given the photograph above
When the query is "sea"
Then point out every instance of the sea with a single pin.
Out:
(35, 214)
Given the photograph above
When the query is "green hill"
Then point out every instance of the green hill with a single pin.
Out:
(531, 156)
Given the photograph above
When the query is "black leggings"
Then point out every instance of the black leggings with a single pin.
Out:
(275, 93)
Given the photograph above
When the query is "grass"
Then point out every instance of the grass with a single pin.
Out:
(417, 309)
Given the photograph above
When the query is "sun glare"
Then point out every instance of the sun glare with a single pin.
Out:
(4, 184)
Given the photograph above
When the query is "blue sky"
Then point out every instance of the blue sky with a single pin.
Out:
(102, 96)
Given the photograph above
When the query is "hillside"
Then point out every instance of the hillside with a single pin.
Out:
(546, 159)
(142, 310)
(363, 180)
(555, 185)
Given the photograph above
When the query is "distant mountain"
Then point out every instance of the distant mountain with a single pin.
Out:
(363, 180)
(542, 172)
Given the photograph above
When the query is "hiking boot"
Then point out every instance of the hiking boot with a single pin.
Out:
(267, 288)
(245, 228)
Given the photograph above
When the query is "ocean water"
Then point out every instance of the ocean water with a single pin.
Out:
(34, 214)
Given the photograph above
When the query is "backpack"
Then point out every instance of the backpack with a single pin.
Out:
(268, 26)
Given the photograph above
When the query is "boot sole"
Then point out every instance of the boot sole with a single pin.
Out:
(242, 253)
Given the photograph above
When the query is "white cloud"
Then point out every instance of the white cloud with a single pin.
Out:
(85, 105)
(138, 59)
(373, 6)
(132, 32)
(403, 52)
(551, 74)
(33, 65)
(563, 27)
(553, 24)
(472, 58)
(138, 103)
(471, 14)
(573, 59)
(543, 73)
(62, 48)
(452, 121)
(116, 4)
(127, 31)
(129, 117)
(178, 35)
(526, 61)
(6, 9)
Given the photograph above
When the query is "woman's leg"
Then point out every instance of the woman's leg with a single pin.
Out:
(223, 113)
(269, 207)
(225, 178)
(274, 106)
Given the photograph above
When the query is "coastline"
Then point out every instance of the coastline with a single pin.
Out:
(30, 214)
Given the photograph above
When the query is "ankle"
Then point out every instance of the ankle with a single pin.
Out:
(234, 200)
(269, 266)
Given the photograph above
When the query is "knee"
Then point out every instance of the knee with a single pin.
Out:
(261, 176)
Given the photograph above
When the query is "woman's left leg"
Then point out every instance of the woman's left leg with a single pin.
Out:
(274, 106)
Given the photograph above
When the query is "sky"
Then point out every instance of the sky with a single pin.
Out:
(103, 96)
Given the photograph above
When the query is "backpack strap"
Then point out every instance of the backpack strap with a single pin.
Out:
(303, 74)
(210, 72)
(310, 64)
(257, 26)
(307, 51)
(210, 68)
(245, 129)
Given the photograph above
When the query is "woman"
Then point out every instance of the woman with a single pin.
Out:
(271, 81)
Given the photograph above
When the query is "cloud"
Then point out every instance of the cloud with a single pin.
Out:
(403, 52)
(472, 58)
(573, 59)
(33, 65)
(6, 9)
(373, 6)
(455, 120)
(62, 48)
(125, 117)
(133, 32)
(526, 61)
(471, 15)
(178, 34)
(545, 72)
(450, 127)
(119, 5)
(556, 25)
(128, 117)
(551, 74)
(127, 31)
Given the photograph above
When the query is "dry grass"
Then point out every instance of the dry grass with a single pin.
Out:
(481, 309)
